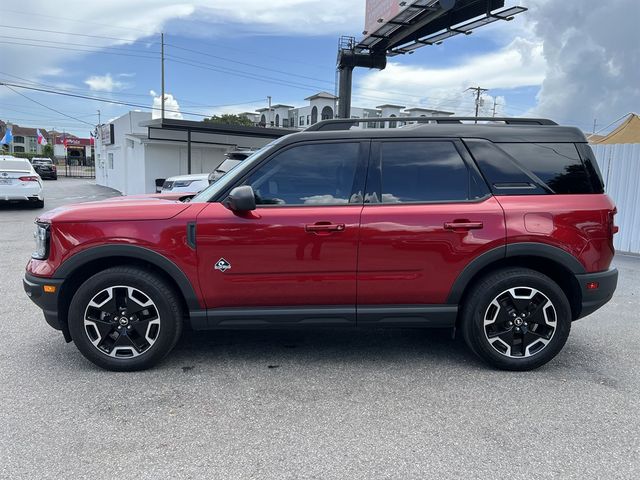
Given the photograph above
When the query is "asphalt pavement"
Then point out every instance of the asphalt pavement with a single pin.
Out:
(322, 404)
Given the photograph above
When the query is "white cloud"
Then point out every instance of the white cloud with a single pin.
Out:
(519, 64)
(592, 51)
(104, 83)
(171, 106)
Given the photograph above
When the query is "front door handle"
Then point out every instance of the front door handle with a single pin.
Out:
(325, 227)
(462, 225)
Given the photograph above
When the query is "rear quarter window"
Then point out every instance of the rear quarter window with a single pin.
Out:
(557, 165)
(15, 165)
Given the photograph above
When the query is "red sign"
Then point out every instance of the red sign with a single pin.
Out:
(73, 142)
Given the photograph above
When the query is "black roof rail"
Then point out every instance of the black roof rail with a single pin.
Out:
(347, 123)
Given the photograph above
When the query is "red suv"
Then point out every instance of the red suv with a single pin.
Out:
(501, 231)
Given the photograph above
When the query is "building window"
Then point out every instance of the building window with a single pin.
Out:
(18, 149)
(277, 119)
(301, 121)
(285, 122)
(393, 124)
(314, 115)
(308, 119)
(327, 113)
(263, 120)
(18, 139)
(110, 161)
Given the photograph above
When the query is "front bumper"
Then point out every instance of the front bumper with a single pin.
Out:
(48, 302)
(594, 298)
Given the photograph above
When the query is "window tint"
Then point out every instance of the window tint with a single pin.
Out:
(423, 172)
(504, 176)
(558, 165)
(315, 174)
(591, 165)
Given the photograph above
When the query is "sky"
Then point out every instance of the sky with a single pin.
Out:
(574, 61)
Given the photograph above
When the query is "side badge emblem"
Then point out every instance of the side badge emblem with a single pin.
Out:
(222, 265)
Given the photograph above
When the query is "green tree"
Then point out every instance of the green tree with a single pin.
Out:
(47, 151)
(230, 119)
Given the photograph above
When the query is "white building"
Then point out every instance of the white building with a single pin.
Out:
(133, 151)
(323, 106)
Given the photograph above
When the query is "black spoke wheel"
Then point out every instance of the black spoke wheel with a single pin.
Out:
(516, 319)
(125, 318)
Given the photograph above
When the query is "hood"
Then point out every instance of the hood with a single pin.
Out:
(135, 207)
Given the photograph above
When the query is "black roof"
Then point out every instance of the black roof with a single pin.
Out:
(499, 132)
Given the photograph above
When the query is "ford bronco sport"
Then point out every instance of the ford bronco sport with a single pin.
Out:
(499, 230)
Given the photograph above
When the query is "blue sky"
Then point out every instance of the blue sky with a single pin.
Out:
(242, 51)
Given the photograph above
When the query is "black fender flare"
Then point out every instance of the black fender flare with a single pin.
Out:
(521, 249)
(69, 266)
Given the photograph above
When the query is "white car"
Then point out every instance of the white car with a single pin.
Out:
(19, 181)
(193, 183)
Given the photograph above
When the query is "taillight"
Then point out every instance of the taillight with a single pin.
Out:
(28, 179)
(54, 168)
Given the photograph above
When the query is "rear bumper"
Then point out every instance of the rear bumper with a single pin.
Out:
(593, 299)
(11, 192)
(48, 302)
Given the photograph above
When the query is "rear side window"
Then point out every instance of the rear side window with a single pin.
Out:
(557, 165)
(423, 172)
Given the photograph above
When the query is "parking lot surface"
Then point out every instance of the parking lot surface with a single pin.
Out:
(312, 404)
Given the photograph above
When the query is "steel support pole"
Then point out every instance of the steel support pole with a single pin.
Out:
(344, 92)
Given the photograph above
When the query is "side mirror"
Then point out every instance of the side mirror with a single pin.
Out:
(241, 199)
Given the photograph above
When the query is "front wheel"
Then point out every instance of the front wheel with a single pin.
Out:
(516, 319)
(125, 319)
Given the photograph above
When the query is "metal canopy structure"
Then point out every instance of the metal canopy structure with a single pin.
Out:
(397, 27)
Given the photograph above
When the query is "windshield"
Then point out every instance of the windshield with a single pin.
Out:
(227, 165)
(209, 192)
(42, 161)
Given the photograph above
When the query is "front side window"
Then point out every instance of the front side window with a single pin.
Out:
(313, 174)
(423, 172)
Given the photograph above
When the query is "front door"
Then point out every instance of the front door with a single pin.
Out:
(293, 259)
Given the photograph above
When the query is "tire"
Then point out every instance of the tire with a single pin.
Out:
(516, 319)
(38, 204)
(125, 319)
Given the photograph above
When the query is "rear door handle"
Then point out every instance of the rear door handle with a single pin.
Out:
(463, 225)
(325, 227)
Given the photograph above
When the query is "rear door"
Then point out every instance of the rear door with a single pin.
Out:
(427, 214)
(293, 259)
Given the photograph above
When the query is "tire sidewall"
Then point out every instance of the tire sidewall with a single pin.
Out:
(170, 319)
(479, 302)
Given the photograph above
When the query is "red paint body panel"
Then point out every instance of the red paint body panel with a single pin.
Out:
(406, 256)
(578, 224)
(274, 260)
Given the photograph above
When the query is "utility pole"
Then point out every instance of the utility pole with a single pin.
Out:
(495, 102)
(595, 120)
(98, 117)
(479, 91)
(162, 74)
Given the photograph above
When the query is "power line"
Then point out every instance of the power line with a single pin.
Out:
(106, 100)
(47, 107)
(121, 49)
(75, 34)
(22, 44)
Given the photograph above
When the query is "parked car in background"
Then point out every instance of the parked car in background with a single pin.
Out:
(45, 167)
(193, 183)
(232, 159)
(197, 182)
(19, 181)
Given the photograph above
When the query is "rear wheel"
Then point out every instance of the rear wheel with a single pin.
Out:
(516, 319)
(125, 319)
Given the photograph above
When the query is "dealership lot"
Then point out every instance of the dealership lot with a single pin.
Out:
(312, 404)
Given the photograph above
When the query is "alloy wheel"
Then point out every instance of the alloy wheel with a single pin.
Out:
(122, 322)
(520, 322)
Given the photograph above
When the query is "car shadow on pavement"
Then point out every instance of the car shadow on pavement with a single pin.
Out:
(10, 205)
(340, 346)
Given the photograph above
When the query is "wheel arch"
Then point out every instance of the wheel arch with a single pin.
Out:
(84, 264)
(557, 264)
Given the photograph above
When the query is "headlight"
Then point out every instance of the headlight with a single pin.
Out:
(41, 235)
(182, 183)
